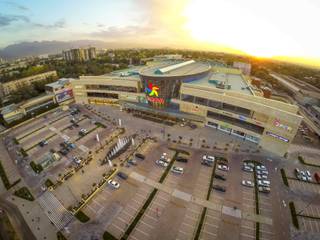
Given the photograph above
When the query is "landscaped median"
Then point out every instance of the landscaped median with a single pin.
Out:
(5, 179)
(294, 215)
(284, 177)
(204, 210)
(147, 202)
(24, 193)
(302, 161)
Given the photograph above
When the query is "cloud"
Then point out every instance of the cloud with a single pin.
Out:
(123, 32)
(6, 20)
(58, 24)
(17, 6)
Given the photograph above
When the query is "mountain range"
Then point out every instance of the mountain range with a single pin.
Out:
(28, 49)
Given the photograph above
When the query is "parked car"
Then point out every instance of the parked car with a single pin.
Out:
(178, 170)
(247, 168)
(250, 164)
(140, 156)
(64, 152)
(219, 188)
(76, 160)
(262, 172)
(83, 131)
(262, 177)
(317, 177)
(43, 143)
(132, 162)
(265, 183)
(223, 167)
(261, 167)
(206, 163)
(122, 175)
(208, 158)
(162, 163)
(247, 183)
(181, 159)
(113, 184)
(220, 177)
(264, 189)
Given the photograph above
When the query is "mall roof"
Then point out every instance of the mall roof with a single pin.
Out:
(224, 78)
(175, 68)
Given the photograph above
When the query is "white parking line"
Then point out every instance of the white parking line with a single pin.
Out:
(211, 225)
(247, 227)
(191, 217)
(122, 220)
(147, 234)
(187, 224)
(209, 233)
(126, 213)
(135, 209)
(148, 225)
(247, 235)
(116, 226)
(153, 218)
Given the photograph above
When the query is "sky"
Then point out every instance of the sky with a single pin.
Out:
(264, 28)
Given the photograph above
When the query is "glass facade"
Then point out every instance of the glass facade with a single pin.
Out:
(111, 88)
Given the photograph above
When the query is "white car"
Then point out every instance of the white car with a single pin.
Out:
(264, 189)
(247, 168)
(262, 172)
(162, 163)
(261, 167)
(262, 177)
(113, 184)
(250, 164)
(308, 173)
(178, 170)
(247, 183)
(208, 158)
(223, 167)
(76, 160)
(264, 183)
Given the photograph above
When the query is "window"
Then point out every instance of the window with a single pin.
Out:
(215, 104)
(201, 101)
(187, 98)
(103, 95)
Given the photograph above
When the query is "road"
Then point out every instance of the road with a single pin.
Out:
(17, 220)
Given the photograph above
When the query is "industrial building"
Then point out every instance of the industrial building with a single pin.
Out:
(216, 97)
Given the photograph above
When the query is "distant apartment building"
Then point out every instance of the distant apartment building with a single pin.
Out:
(79, 54)
(9, 87)
(244, 67)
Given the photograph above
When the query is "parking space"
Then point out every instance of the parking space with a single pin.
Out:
(309, 218)
(298, 185)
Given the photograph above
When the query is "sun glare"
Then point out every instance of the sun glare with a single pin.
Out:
(220, 22)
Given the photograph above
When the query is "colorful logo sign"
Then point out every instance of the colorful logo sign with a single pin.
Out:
(152, 90)
(277, 123)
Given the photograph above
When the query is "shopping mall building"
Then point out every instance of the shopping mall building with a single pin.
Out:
(217, 97)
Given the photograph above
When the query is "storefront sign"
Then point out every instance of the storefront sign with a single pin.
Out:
(277, 136)
(277, 123)
(155, 100)
(64, 95)
(152, 90)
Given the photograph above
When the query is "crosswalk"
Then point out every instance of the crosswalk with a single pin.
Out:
(55, 211)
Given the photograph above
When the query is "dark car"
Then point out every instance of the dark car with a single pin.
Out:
(63, 152)
(76, 125)
(206, 163)
(132, 162)
(181, 159)
(221, 177)
(122, 175)
(219, 188)
(140, 156)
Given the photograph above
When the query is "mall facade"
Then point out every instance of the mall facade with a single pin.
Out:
(216, 97)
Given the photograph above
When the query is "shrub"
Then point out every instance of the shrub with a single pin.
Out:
(294, 215)
(284, 177)
(82, 217)
(24, 193)
(37, 168)
(108, 236)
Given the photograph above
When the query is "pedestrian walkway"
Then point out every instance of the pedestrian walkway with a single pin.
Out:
(55, 210)
(201, 202)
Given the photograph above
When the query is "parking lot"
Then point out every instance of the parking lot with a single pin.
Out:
(310, 221)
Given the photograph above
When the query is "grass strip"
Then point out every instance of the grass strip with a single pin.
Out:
(257, 230)
(29, 133)
(284, 177)
(37, 168)
(302, 161)
(60, 236)
(139, 215)
(294, 215)
(203, 214)
(36, 144)
(59, 118)
(148, 201)
(4, 177)
(87, 133)
(256, 193)
(24, 193)
(108, 236)
(82, 217)
(204, 210)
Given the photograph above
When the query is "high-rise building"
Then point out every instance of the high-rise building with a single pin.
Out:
(79, 54)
